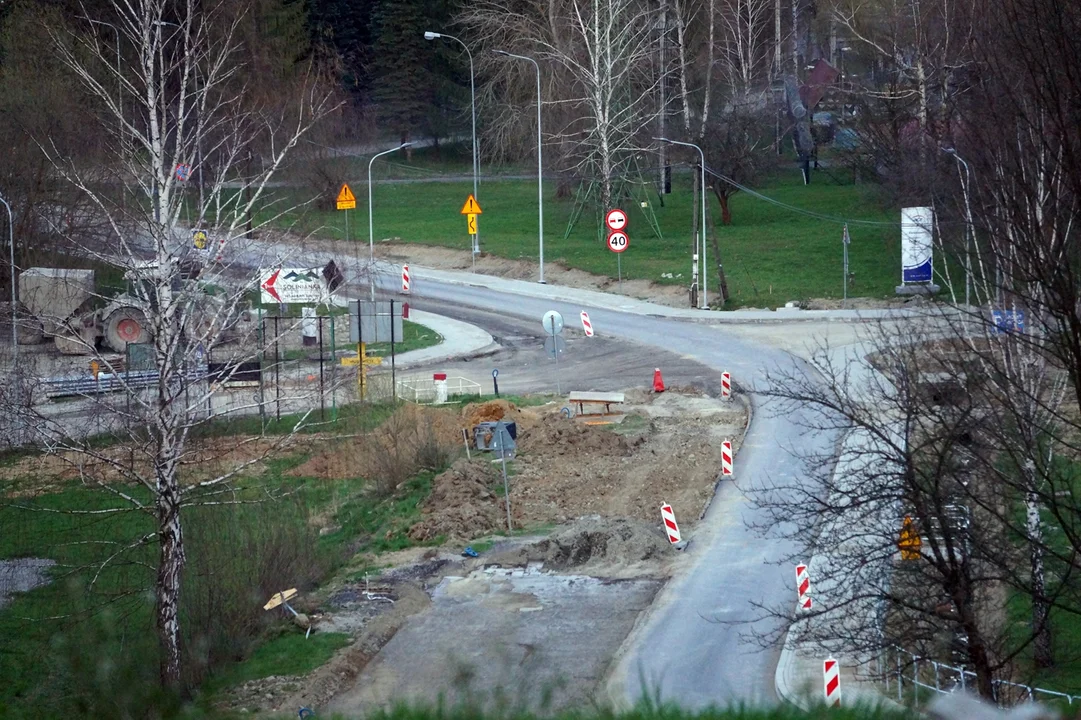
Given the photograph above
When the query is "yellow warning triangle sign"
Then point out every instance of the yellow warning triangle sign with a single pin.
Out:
(345, 195)
(471, 207)
(910, 541)
(346, 199)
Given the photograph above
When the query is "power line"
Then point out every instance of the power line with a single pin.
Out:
(804, 211)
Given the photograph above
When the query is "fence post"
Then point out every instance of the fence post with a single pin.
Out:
(322, 387)
(915, 681)
(937, 688)
(900, 675)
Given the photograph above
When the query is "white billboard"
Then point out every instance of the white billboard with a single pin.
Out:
(917, 239)
(292, 285)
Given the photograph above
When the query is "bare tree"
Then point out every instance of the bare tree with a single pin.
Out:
(925, 418)
(601, 52)
(184, 112)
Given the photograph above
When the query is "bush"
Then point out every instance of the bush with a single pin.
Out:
(238, 557)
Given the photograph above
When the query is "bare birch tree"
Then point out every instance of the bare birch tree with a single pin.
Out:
(601, 52)
(183, 112)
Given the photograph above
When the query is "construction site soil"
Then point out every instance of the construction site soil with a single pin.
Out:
(547, 612)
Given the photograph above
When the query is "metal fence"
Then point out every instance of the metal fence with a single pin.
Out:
(423, 390)
(912, 673)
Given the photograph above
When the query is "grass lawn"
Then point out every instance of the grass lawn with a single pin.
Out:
(771, 254)
(414, 337)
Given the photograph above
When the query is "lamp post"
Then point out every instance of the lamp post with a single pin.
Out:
(473, 109)
(705, 271)
(968, 221)
(371, 226)
(540, 164)
(11, 257)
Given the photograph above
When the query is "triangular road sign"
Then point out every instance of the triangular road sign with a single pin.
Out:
(346, 199)
(471, 207)
(910, 541)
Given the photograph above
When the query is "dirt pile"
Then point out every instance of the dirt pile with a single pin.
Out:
(494, 410)
(591, 541)
(560, 436)
(462, 504)
(596, 539)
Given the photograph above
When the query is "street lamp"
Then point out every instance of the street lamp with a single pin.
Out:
(371, 230)
(966, 184)
(705, 271)
(473, 106)
(540, 165)
(11, 248)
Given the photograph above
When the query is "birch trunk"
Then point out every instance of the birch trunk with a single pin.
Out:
(170, 568)
(1042, 650)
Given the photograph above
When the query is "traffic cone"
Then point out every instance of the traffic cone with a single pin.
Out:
(658, 381)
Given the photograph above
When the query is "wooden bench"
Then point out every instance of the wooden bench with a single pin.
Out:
(593, 399)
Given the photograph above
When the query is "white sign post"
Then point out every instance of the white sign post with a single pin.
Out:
(617, 243)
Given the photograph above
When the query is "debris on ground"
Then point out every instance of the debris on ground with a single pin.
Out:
(590, 541)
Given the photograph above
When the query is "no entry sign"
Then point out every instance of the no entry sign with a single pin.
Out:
(616, 219)
(618, 241)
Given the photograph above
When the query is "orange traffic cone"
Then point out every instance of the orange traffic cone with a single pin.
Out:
(658, 381)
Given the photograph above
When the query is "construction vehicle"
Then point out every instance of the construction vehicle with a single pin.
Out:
(63, 304)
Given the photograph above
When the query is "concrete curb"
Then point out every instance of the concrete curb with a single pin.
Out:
(460, 340)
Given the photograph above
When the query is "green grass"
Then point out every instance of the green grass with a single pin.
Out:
(645, 710)
(414, 337)
(771, 254)
(355, 417)
(379, 525)
(288, 654)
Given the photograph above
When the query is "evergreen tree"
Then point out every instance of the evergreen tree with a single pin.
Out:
(412, 79)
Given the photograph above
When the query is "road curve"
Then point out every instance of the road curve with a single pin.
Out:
(693, 650)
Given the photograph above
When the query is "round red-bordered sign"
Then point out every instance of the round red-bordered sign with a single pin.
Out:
(618, 241)
(616, 219)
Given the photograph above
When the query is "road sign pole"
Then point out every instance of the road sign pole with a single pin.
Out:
(393, 377)
(619, 269)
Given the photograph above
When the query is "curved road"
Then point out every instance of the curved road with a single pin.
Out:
(692, 650)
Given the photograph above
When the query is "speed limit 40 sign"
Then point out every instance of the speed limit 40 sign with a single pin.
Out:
(618, 241)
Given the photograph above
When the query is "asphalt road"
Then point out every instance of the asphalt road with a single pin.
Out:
(694, 650)
(601, 363)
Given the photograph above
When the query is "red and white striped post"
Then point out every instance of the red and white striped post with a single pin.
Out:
(803, 586)
(831, 676)
(726, 458)
(670, 525)
(405, 278)
(587, 326)
(726, 386)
